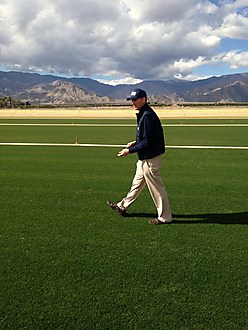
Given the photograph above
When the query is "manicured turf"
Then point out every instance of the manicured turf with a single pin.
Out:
(213, 136)
(69, 262)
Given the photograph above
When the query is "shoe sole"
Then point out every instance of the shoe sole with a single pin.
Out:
(116, 209)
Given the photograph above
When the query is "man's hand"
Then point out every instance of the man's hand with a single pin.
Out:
(131, 144)
(123, 152)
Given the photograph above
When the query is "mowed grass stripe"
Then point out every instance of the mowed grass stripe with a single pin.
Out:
(175, 136)
(122, 125)
(114, 145)
(121, 121)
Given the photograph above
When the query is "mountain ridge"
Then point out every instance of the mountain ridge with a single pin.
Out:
(39, 88)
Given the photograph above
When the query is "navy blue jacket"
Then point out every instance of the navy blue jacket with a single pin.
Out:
(149, 134)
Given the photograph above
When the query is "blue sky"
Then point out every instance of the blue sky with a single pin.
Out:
(226, 45)
(125, 41)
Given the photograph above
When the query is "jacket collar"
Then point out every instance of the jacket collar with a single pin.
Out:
(142, 110)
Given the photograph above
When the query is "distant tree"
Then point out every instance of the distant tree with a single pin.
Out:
(9, 102)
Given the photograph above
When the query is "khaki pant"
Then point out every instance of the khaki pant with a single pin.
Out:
(148, 173)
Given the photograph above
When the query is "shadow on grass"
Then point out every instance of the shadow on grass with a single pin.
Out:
(240, 218)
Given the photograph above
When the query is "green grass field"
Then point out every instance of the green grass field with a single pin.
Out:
(69, 262)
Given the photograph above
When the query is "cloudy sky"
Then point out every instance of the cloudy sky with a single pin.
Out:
(125, 41)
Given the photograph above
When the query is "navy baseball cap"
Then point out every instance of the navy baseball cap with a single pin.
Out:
(137, 94)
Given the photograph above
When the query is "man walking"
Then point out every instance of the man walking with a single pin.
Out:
(149, 146)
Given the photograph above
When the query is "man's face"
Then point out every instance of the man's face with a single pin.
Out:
(138, 104)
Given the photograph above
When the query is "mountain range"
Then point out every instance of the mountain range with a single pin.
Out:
(37, 88)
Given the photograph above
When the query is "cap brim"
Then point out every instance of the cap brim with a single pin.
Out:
(133, 98)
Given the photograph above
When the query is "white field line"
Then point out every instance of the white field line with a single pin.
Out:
(124, 125)
(113, 145)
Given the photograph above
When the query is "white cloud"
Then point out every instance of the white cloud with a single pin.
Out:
(127, 80)
(163, 11)
(236, 59)
(234, 26)
(139, 39)
(187, 65)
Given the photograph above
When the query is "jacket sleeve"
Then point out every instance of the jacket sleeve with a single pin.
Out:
(146, 130)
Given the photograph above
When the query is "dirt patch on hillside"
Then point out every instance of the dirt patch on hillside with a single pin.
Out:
(127, 113)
